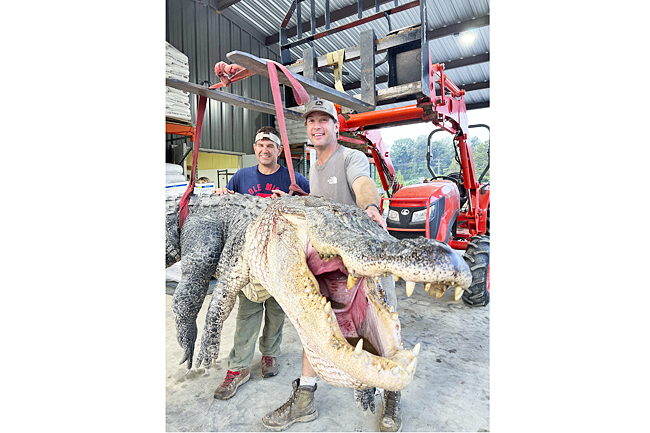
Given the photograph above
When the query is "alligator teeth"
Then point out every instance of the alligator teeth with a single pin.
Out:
(395, 316)
(367, 360)
(410, 286)
(328, 307)
(396, 370)
(427, 287)
(416, 350)
(359, 349)
(351, 281)
(323, 300)
(409, 368)
(396, 278)
(458, 293)
(391, 309)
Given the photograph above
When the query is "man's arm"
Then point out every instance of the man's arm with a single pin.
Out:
(366, 192)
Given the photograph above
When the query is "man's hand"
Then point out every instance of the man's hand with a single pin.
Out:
(277, 193)
(376, 216)
(222, 191)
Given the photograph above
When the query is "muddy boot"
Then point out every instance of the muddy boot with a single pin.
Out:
(270, 366)
(391, 418)
(299, 408)
(233, 380)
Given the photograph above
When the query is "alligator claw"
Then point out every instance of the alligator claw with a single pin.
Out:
(365, 398)
(187, 357)
(186, 336)
(207, 356)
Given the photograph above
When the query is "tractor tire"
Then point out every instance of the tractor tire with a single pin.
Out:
(477, 257)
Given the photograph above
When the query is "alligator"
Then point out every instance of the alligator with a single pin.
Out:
(321, 261)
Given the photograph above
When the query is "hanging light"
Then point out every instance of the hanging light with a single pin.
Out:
(467, 37)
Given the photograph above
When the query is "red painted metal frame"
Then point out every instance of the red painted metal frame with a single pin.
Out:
(447, 111)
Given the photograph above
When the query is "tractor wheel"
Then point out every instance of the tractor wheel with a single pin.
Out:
(477, 257)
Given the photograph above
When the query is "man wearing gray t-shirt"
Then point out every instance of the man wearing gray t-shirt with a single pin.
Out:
(343, 175)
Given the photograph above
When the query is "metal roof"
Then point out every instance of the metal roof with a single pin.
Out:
(467, 65)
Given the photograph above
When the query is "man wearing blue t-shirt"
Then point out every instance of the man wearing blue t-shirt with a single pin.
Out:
(260, 180)
(268, 175)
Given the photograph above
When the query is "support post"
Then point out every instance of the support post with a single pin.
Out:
(368, 77)
(309, 64)
(425, 48)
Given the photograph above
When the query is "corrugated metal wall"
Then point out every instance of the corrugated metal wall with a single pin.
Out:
(205, 37)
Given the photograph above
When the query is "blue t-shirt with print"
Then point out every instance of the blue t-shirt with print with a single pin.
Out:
(249, 180)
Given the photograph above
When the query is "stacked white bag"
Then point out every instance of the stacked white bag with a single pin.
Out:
(174, 180)
(177, 102)
(173, 173)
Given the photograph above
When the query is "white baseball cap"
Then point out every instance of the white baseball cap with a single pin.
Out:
(268, 135)
(321, 105)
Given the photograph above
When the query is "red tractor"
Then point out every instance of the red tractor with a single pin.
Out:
(454, 209)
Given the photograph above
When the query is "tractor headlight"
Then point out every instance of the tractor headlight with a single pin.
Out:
(421, 215)
(393, 215)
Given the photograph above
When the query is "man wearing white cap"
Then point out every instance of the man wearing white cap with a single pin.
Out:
(343, 175)
(260, 180)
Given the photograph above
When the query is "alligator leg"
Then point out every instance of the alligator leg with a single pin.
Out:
(198, 264)
(221, 304)
(365, 398)
(186, 304)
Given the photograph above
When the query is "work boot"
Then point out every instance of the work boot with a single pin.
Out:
(391, 418)
(233, 380)
(269, 366)
(299, 408)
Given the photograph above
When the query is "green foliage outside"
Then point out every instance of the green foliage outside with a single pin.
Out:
(409, 158)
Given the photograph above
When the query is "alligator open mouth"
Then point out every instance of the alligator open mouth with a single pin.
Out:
(355, 306)
(351, 336)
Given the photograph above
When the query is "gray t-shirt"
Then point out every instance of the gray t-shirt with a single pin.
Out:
(334, 179)
(345, 166)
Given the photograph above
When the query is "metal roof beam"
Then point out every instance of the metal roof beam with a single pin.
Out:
(336, 15)
(467, 61)
(477, 105)
(433, 34)
(460, 27)
(475, 86)
(220, 5)
(393, 40)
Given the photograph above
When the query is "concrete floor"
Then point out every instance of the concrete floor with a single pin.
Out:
(451, 390)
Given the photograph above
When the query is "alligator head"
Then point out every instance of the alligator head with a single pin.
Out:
(322, 262)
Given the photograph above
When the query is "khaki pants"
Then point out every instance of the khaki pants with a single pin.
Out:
(247, 329)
